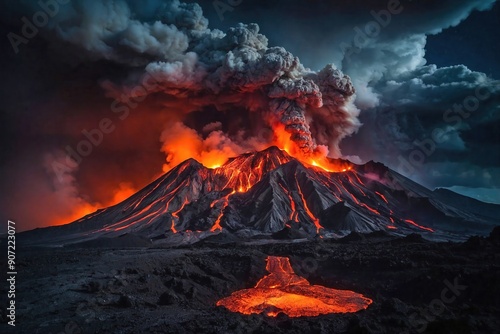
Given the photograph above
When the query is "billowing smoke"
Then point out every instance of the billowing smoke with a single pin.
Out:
(170, 85)
(182, 59)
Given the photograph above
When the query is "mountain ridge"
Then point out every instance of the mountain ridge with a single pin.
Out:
(265, 192)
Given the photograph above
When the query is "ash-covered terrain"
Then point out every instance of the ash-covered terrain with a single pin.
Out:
(417, 286)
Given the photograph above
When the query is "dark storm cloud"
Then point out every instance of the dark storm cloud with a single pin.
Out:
(403, 99)
(454, 99)
(185, 57)
(434, 123)
(298, 27)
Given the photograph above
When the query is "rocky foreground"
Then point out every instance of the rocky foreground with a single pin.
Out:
(417, 286)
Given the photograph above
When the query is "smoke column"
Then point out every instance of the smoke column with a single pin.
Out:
(235, 73)
(203, 93)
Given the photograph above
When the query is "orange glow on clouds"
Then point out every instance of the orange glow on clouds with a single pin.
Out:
(282, 291)
(124, 191)
(77, 212)
(83, 208)
(181, 143)
(213, 150)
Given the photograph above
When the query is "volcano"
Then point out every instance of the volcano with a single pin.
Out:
(272, 195)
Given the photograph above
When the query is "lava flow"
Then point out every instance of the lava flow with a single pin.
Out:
(244, 171)
(282, 291)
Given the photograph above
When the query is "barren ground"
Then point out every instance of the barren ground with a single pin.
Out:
(416, 286)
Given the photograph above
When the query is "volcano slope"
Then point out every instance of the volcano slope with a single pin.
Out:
(272, 195)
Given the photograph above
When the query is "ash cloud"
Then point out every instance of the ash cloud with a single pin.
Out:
(187, 60)
(239, 69)
(165, 51)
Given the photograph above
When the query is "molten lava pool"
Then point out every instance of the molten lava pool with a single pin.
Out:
(282, 291)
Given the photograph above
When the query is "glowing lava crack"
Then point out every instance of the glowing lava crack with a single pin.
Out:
(282, 291)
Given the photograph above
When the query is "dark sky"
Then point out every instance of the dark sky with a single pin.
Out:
(469, 43)
(431, 56)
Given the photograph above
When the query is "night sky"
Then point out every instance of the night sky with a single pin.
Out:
(426, 80)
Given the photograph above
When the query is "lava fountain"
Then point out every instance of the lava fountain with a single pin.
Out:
(283, 291)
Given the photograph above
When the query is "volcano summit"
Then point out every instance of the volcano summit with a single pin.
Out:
(270, 194)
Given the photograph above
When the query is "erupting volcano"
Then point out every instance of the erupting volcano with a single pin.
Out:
(159, 152)
(283, 291)
(272, 194)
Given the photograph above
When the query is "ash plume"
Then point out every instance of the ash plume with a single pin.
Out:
(210, 95)
(182, 59)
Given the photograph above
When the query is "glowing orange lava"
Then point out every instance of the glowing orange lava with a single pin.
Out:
(308, 211)
(225, 203)
(176, 215)
(282, 291)
(419, 226)
(243, 172)
(382, 196)
(293, 213)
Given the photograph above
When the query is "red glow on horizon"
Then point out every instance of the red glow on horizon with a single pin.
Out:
(76, 213)
(84, 208)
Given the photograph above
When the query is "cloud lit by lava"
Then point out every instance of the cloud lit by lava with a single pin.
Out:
(237, 76)
(215, 94)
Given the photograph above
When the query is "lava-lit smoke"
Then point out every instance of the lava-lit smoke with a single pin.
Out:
(206, 94)
(173, 56)
(212, 149)
(68, 203)
(234, 74)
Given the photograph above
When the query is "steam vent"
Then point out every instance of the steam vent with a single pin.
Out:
(282, 291)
